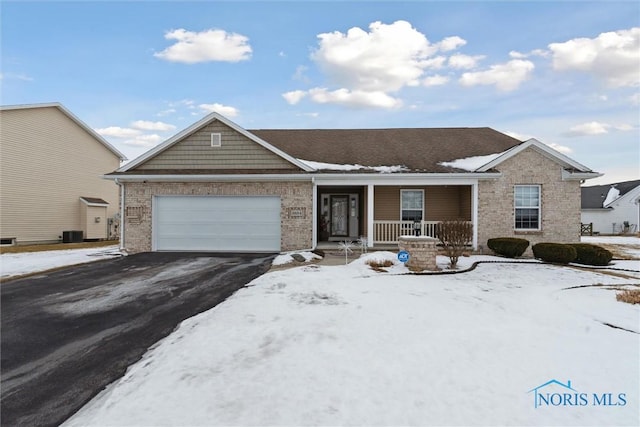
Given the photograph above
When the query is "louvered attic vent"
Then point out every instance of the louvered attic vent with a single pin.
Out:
(216, 140)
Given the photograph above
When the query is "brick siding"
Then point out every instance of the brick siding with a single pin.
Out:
(296, 211)
(560, 201)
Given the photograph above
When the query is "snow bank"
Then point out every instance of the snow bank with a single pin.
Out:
(287, 258)
(31, 262)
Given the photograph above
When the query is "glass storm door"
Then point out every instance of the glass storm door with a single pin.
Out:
(340, 215)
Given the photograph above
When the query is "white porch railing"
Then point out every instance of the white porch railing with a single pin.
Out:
(389, 231)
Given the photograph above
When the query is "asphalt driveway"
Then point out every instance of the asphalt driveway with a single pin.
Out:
(67, 334)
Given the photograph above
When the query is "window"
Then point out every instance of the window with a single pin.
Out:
(527, 207)
(412, 205)
(216, 140)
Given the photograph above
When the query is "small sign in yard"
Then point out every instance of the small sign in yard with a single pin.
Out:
(403, 256)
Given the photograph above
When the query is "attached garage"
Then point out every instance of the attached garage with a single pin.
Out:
(216, 223)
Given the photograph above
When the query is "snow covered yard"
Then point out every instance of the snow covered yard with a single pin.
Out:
(344, 345)
(18, 264)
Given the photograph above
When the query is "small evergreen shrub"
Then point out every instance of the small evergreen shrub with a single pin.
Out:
(554, 252)
(511, 247)
(591, 254)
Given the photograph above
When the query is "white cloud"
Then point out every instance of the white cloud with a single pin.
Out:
(518, 136)
(466, 62)
(312, 115)
(451, 43)
(300, 73)
(14, 76)
(148, 125)
(166, 112)
(435, 63)
(209, 45)
(560, 148)
(224, 110)
(356, 98)
(590, 128)
(635, 99)
(118, 132)
(536, 52)
(505, 77)
(294, 96)
(612, 57)
(386, 58)
(435, 80)
(144, 141)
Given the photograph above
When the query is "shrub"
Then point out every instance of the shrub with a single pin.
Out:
(511, 247)
(454, 236)
(629, 296)
(379, 266)
(591, 254)
(554, 252)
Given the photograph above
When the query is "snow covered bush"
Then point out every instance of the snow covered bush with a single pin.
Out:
(554, 252)
(510, 247)
(454, 236)
(591, 254)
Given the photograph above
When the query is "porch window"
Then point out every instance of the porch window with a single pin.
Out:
(412, 205)
(527, 207)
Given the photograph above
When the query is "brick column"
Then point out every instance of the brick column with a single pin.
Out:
(422, 252)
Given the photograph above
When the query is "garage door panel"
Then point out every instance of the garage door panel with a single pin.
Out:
(217, 223)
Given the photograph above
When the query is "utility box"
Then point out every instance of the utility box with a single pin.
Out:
(73, 236)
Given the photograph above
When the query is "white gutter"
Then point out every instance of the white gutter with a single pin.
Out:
(361, 178)
(121, 213)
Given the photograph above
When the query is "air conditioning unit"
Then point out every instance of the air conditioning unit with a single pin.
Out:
(73, 236)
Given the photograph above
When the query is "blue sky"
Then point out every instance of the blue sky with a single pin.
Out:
(566, 73)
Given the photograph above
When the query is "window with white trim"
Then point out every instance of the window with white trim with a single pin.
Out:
(527, 207)
(216, 140)
(411, 205)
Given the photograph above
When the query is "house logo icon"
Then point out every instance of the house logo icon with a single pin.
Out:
(546, 398)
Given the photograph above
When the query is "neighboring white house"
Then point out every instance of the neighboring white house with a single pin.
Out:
(612, 208)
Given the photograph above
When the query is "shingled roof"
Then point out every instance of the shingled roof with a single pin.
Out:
(418, 150)
(594, 196)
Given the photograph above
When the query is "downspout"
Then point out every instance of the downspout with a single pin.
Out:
(121, 185)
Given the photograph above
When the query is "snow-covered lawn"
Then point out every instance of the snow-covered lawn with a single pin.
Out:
(627, 245)
(344, 345)
(31, 262)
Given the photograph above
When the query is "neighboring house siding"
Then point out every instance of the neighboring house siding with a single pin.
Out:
(296, 232)
(47, 162)
(441, 202)
(611, 220)
(560, 201)
(237, 152)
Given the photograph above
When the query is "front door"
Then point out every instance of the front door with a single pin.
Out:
(339, 216)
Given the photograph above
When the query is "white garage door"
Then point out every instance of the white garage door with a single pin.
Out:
(216, 223)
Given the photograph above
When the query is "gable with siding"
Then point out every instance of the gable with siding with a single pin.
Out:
(236, 153)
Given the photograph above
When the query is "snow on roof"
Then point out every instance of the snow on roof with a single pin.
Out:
(471, 163)
(339, 167)
(612, 195)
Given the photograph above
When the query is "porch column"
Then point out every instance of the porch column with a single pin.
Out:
(474, 214)
(314, 214)
(370, 231)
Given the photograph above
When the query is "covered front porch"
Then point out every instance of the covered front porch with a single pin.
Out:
(378, 213)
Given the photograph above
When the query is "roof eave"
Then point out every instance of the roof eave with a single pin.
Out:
(359, 177)
(74, 118)
(579, 176)
(543, 149)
